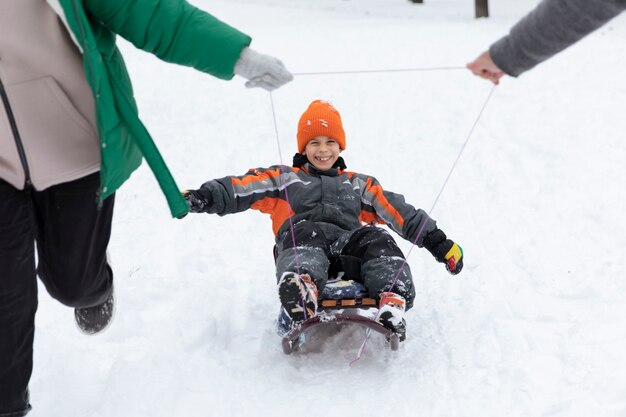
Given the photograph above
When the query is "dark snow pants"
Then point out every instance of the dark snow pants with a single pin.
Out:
(368, 255)
(71, 235)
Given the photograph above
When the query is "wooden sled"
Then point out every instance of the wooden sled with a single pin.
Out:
(335, 309)
(294, 338)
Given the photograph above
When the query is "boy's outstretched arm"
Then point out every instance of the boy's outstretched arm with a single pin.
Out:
(256, 190)
(392, 209)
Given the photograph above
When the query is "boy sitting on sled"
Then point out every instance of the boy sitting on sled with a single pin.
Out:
(329, 207)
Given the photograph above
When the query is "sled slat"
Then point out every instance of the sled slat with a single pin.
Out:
(348, 302)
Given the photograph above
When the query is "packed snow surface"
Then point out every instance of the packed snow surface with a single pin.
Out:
(535, 325)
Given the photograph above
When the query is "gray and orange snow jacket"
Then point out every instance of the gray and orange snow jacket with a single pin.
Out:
(337, 200)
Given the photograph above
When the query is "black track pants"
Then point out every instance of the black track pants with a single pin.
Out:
(380, 263)
(368, 255)
(71, 236)
(310, 256)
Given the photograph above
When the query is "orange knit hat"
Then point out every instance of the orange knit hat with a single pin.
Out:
(320, 119)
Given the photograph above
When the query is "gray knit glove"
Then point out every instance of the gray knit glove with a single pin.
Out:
(261, 70)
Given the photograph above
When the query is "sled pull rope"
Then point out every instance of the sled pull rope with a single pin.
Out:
(290, 213)
(443, 186)
(424, 69)
(419, 233)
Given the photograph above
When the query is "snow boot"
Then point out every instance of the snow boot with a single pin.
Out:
(391, 313)
(92, 320)
(293, 290)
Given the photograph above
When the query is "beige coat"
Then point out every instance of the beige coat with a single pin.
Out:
(52, 105)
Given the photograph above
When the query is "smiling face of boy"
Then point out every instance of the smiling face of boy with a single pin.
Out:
(322, 152)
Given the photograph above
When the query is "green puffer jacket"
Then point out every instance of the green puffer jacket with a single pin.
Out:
(173, 30)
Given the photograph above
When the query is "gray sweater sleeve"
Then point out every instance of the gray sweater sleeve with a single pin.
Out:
(551, 27)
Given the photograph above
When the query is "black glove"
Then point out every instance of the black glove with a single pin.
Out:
(199, 201)
(445, 251)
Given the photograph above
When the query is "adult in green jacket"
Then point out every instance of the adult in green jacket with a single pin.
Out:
(70, 136)
(174, 31)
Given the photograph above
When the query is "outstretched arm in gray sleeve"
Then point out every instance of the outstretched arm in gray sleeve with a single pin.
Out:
(550, 28)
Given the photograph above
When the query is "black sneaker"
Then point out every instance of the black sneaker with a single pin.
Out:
(92, 320)
(292, 291)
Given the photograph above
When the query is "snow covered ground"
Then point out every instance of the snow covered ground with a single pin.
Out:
(534, 326)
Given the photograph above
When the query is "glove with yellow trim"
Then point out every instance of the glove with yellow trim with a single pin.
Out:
(444, 250)
(454, 259)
